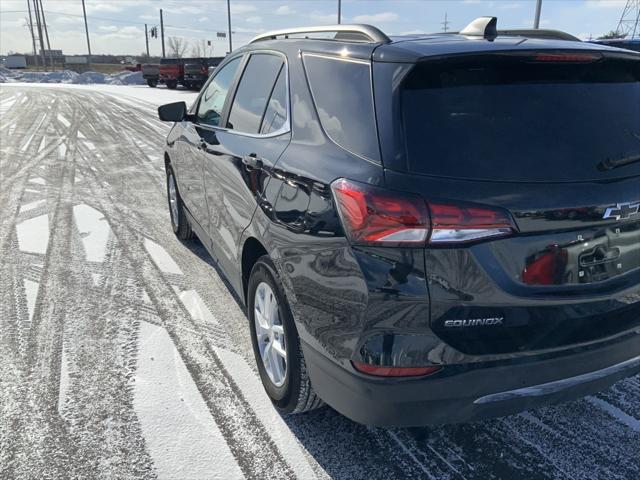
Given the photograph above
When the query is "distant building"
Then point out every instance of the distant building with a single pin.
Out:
(76, 63)
(14, 61)
(55, 56)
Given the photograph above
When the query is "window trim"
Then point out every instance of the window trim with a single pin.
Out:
(373, 103)
(286, 127)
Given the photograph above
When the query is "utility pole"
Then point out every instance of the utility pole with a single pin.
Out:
(146, 37)
(229, 24)
(162, 32)
(46, 34)
(536, 21)
(445, 24)
(86, 29)
(33, 38)
(629, 25)
(39, 25)
(339, 12)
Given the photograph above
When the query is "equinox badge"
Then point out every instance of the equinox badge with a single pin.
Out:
(474, 322)
(622, 211)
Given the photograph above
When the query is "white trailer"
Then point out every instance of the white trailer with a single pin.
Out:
(15, 61)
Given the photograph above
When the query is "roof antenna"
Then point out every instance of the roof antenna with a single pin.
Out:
(485, 27)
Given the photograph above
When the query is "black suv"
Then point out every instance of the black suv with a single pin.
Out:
(196, 71)
(426, 229)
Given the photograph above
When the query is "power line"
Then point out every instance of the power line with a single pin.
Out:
(214, 28)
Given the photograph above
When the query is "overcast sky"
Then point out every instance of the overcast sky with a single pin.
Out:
(117, 26)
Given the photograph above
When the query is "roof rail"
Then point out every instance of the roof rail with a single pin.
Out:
(540, 33)
(354, 33)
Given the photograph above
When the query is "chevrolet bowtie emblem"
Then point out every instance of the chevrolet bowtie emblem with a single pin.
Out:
(622, 211)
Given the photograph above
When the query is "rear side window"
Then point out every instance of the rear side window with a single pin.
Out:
(525, 117)
(254, 91)
(342, 94)
(275, 115)
(212, 101)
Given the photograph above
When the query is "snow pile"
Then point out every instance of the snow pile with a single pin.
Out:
(68, 76)
(126, 78)
(64, 76)
(90, 77)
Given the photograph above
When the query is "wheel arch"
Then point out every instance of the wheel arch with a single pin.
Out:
(252, 250)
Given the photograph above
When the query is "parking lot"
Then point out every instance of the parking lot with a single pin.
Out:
(124, 355)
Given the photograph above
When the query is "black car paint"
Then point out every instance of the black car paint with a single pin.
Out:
(388, 305)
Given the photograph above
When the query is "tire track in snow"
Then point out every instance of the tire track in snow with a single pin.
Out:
(249, 441)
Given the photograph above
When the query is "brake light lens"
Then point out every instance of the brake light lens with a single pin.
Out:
(380, 371)
(455, 224)
(375, 216)
(566, 57)
(372, 215)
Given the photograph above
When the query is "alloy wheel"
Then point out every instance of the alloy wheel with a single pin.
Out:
(173, 199)
(270, 334)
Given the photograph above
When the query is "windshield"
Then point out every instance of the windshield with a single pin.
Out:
(522, 118)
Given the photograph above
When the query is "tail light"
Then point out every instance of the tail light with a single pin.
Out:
(380, 371)
(374, 216)
(454, 224)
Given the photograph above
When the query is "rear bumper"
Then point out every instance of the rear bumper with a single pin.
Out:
(194, 77)
(472, 393)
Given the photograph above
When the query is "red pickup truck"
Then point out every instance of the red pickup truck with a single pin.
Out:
(171, 72)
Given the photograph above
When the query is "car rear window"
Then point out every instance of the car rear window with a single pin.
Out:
(341, 90)
(528, 117)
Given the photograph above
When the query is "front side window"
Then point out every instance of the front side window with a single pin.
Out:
(212, 101)
(253, 93)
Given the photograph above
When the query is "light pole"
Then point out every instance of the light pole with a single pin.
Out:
(536, 21)
(339, 12)
(146, 37)
(86, 29)
(33, 37)
(229, 23)
(162, 33)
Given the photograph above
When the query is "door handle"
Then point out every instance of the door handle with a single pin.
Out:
(252, 161)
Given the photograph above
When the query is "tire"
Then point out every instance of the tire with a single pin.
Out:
(295, 394)
(179, 219)
(172, 84)
(152, 83)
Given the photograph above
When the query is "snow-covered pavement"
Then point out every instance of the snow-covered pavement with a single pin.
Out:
(123, 354)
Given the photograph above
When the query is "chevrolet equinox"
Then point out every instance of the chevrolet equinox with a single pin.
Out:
(425, 229)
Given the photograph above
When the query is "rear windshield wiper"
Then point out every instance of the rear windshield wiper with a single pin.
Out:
(609, 164)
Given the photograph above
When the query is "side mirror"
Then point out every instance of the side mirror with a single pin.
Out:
(173, 112)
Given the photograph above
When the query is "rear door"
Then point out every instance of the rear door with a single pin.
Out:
(552, 140)
(243, 150)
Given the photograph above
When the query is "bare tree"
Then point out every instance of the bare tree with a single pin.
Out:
(613, 34)
(201, 49)
(178, 46)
